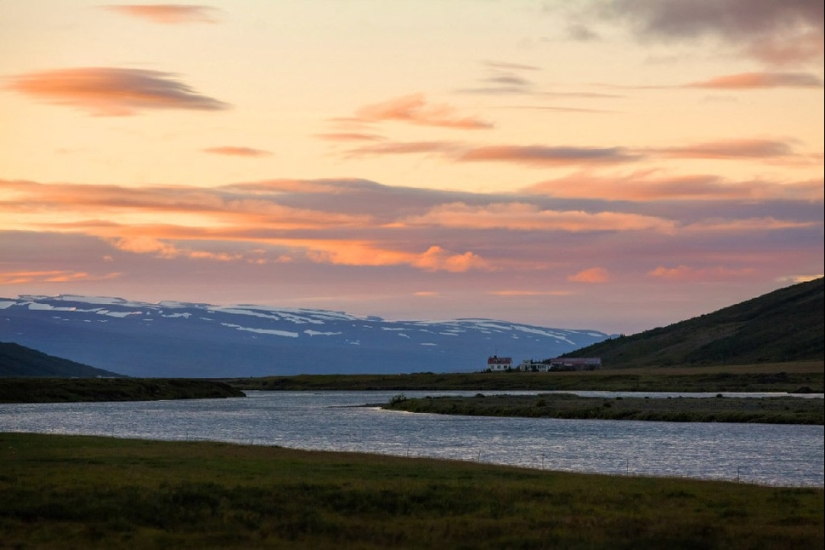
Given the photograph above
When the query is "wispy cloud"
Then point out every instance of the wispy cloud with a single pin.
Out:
(50, 276)
(529, 293)
(539, 155)
(349, 136)
(405, 148)
(650, 186)
(414, 109)
(508, 66)
(504, 78)
(232, 151)
(108, 91)
(757, 80)
(166, 14)
(686, 273)
(527, 217)
(730, 149)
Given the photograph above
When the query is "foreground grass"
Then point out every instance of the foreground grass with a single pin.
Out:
(805, 376)
(773, 410)
(88, 492)
(64, 390)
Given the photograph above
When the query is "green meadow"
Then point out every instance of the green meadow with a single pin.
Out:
(91, 492)
(792, 376)
(771, 410)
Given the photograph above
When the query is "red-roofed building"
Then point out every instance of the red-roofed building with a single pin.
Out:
(498, 364)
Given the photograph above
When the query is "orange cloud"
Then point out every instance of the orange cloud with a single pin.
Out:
(414, 109)
(349, 136)
(594, 275)
(438, 259)
(144, 244)
(745, 81)
(537, 155)
(53, 276)
(107, 91)
(237, 151)
(368, 254)
(166, 14)
(527, 217)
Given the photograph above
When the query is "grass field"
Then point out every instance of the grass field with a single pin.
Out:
(773, 410)
(781, 377)
(65, 390)
(88, 492)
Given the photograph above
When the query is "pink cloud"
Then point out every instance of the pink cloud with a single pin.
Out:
(684, 273)
(527, 217)
(593, 275)
(107, 91)
(414, 109)
(646, 186)
(238, 151)
(166, 14)
(745, 81)
(529, 293)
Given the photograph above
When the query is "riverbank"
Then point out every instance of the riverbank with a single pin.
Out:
(67, 390)
(772, 410)
(91, 492)
(801, 376)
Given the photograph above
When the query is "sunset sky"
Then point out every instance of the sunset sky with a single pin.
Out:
(606, 164)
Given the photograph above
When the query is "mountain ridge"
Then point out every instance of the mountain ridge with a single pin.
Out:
(182, 339)
(21, 361)
(784, 325)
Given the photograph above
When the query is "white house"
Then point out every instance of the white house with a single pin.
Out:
(499, 364)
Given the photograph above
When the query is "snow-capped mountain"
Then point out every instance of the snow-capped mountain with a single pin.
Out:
(175, 339)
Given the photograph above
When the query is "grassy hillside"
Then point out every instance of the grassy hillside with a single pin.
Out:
(785, 325)
(89, 492)
(20, 361)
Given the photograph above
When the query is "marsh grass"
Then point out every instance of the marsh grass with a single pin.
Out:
(770, 377)
(90, 492)
(66, 390)
(770, 410)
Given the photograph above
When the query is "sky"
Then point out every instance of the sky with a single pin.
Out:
(614, 165)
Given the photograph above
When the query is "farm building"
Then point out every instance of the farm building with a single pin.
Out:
(498, 364)
(561, 364)
(575, 363)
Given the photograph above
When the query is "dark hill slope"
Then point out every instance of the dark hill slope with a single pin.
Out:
(20, 361)
(784, 325)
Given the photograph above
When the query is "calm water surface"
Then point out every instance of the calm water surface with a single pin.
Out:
(787, 455)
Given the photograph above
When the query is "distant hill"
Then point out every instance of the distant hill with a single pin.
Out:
(22, 362)
(195, 340)
(784, 325)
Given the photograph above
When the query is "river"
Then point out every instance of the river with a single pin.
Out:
(780, 455)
